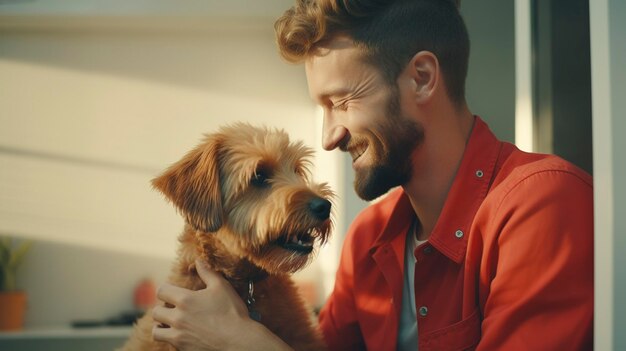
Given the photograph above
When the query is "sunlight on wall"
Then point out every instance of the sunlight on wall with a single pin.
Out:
(523, 123)
(523, 76)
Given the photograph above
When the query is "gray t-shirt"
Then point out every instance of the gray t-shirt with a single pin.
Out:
(407, 332)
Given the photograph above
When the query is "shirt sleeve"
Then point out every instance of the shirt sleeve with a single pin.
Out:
(541, 292)
(338, 321)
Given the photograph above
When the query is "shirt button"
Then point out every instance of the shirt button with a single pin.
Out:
(458, 234)
(428, 250)
(479, 173)
(423, 311)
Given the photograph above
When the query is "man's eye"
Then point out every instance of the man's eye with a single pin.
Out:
(340, 107)
(260, 179)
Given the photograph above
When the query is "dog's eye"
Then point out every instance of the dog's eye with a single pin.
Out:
(260, 178)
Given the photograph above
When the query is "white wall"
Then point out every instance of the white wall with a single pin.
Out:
(608, 55)
(90, 111)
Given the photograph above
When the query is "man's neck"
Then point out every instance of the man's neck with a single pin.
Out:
(435, 165)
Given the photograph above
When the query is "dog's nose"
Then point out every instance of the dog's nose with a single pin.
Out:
(320, 208)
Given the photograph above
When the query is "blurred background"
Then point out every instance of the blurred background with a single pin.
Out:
(96, 98)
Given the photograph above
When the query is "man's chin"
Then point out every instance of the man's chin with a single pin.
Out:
(368, 194)
(376, 183)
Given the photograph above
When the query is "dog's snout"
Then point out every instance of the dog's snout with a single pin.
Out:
(320, 208)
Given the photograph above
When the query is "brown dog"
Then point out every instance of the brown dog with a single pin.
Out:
(253, 215)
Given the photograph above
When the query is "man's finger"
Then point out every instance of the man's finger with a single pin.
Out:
(171, 294)
(168, 335)
(163, 315)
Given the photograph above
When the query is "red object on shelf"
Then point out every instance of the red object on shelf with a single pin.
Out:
(12, 309)
(145, 294)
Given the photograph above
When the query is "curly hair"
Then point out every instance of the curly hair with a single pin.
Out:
(390, 33)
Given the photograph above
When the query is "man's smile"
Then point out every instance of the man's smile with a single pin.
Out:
(357, 151)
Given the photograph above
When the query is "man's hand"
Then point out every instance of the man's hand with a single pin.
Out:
(214, 318)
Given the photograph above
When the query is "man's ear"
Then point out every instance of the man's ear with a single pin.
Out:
(193, 185)
(425, 71)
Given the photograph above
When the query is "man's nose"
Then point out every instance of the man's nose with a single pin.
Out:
(333, 132)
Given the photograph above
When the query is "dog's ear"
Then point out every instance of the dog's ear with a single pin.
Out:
(193, 185)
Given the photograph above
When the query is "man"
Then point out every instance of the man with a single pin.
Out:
(482, 247)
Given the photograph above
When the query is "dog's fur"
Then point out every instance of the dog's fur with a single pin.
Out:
(245, 193)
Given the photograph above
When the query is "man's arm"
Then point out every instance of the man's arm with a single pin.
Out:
(541, 292)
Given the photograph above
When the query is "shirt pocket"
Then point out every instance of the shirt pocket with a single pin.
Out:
(463, 335)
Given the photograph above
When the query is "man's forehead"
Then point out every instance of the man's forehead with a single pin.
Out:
(325, 74)
(333, 67)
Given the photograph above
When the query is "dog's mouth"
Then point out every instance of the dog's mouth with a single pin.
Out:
(300, 243)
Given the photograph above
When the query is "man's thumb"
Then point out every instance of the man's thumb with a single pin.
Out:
(205, 272)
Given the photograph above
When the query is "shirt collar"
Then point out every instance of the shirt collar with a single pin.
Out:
(469, 189)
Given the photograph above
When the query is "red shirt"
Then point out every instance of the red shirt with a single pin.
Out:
(508, 265)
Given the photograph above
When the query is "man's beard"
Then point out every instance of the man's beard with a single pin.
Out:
(397, 137)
